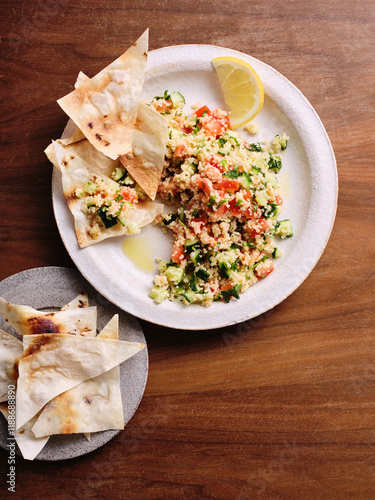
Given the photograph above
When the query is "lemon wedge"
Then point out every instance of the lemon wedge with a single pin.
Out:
(243, 90)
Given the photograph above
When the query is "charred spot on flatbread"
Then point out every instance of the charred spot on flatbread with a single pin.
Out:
(100, 139)
(40, 343)
(15, 372)
(42, 325)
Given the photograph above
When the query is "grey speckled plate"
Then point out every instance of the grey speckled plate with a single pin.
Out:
(50, 288)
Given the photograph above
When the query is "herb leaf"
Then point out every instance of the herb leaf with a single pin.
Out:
(232, 292)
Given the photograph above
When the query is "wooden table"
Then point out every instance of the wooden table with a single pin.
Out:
(282, 406)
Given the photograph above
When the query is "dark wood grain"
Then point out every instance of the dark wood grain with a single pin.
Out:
(282, 406)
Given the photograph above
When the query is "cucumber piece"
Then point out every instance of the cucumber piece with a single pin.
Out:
(158, 294)
(174, 275)
(245, 180)
(162, 266)
(177, 98)
(256, 170)
(175, 133)
(118, 173)
(122, 220)
(132, 227)
(223, 151)
(196, 256)
(276, 253)
(227, 262)
(189, 296)
(281, 141)
(190, 245)
(90, 188)
(107, 220)
(127, 180)
(193, 283)
(168, 218)
(225, 268)
(140, 192)
(284, 229)
(202, 274)
(261, 199)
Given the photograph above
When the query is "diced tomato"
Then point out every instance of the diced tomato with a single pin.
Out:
(215, 163)
(199, 112)
(213, 126)
(177, 254)
(262, 226)
(212, 173)
(200, 220)
(218, 113)
(221, 210)
(180, 122)
(227, 185)
(129, 195)
(163, 105)
(205, 185)
(279, 199)
(236, 210)
(264, 269)
(228, 286)
(180, 151)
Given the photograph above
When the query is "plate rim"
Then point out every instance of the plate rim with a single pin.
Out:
(157, 319)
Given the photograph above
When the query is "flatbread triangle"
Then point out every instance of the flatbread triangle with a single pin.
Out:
(92, 406)
(105, 107)
(28, 321)
(53, 364)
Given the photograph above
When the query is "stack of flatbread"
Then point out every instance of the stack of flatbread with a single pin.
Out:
(109, 129)
(67, 378)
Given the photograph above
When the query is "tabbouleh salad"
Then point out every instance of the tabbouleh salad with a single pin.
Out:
(228, 202)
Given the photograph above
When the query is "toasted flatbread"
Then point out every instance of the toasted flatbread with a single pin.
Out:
(85, 150)
(105, 107)
(52, 364)
(92, 406)
(29, 321)
(79, 302)
(76, 173)
(145, 161)
(29, 445)
(82, 300)
(10, 350)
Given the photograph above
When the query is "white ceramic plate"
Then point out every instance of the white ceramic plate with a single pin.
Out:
(50, 288)
(309, 187)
